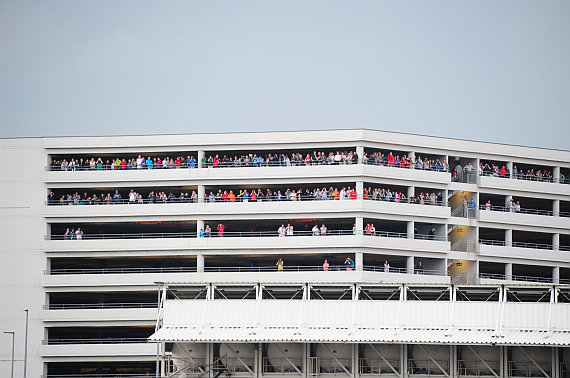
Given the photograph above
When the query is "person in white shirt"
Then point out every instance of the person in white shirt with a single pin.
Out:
(79, 234)
(323, 230)
(386, 267)
(281, 231)
(289, 230)
(315, 230)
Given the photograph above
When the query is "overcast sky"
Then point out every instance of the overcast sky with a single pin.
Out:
(495, 71)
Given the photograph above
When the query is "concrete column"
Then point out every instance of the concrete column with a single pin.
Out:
(200, 156)
(359, 221)
(508, 271)
(508, 199)
(556, 242)
(200, 262)
(555, 274)
(199, 226)
(509, 238)
(359, 188)
(410, 229)
(201, 193)
(359, 261)
(411, 192)
(410, 264)
(510, 168)
(556, 208)
(556, 173)
(360, 153)
(412, 156)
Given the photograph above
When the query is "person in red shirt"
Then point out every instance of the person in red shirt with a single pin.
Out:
(221, 229)
(353, 194)
(390, 158)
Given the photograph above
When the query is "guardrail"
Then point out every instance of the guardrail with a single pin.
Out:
(518, 277)
(119, 340)
(523, 245)
(178, 269)
(228, 269)
(506, 209)
(261, 164)
(249, 234)
(98, 306)
(238, 199)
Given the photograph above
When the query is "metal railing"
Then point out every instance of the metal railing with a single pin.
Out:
(282, 365)
(241, 199)
(522, 176)
(282, 162)
(464, 245)
(377, 366)
(527, 369)
(110, 340)
(518, 277)
(506, 209)
(174, 269)
(104, 375)
(416, 270)
(249, 234)
(227, 269)
(477, 368)
(523, 244)
(427, 367)
(97, 306)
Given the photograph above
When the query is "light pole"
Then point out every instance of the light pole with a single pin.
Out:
(13, 340)
(26, 344)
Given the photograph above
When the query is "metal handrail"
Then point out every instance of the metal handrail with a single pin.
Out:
(519, 277)
(416, 270)
(250, 234)
(175, 269)
(208, 269)
(238, 199)
(97, 306)
(520, 244)
(110, 340)
(506, 209)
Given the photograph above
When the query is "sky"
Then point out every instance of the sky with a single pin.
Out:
(496, 71)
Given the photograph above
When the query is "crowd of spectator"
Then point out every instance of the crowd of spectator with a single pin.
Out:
(213, 161)
(244, 195)
(389, 160)
(494, 170)
(300, 159)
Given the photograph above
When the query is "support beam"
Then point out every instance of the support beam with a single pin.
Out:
(288, 359)
(241, 361)
(199, 227)
(360, 153)
(386, 361)
(508, 271)
(201, 154)
(359, 225)
(556, 241)
(483, 361)
(359, 261)
(200, 263)
(410, 264)
(201, 193)
(336, 359)
(434, 361)
(534, 362)
(509, 238)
